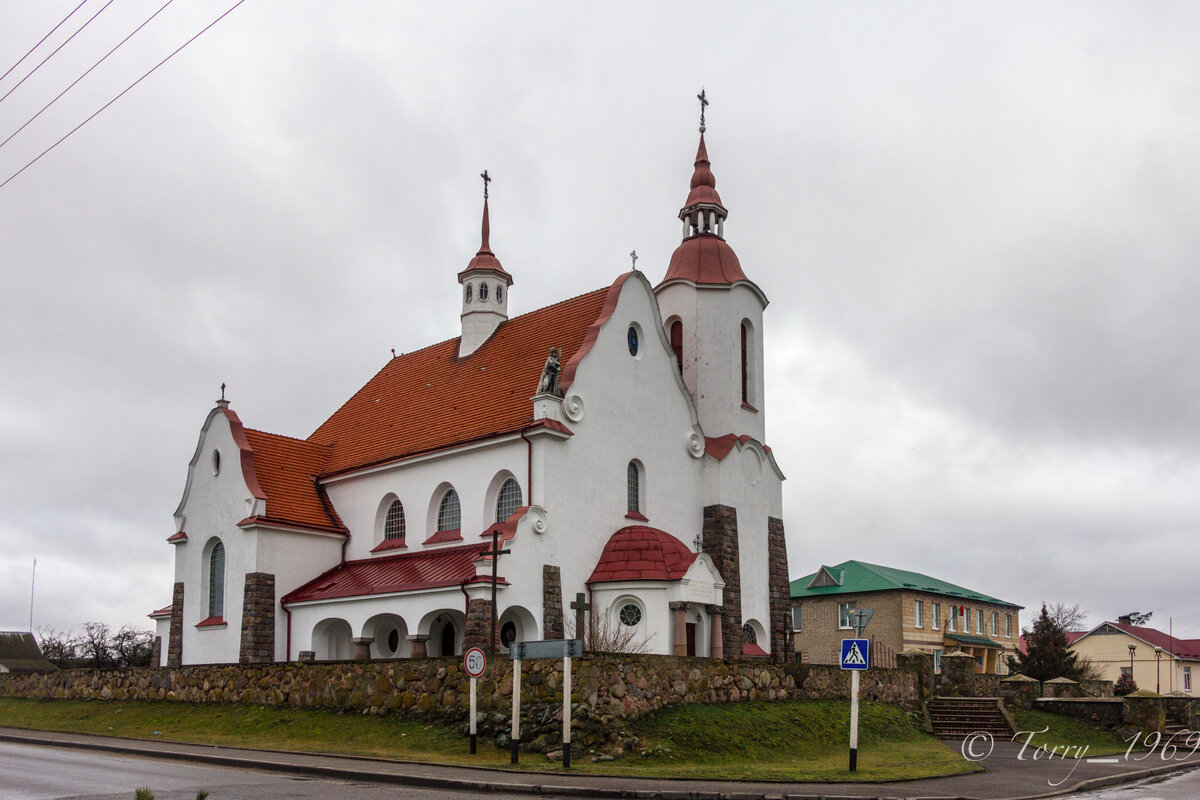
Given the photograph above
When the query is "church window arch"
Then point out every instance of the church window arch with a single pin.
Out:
(393, 525)
(483, 292)
(635, 490)
(748, 350)
(449, 516)
(499, 292)
(676, 334)
(214, 578)
(468, 293)
(748, 634)
(508, 500)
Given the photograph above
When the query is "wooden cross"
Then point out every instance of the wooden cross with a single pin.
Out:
(487, 180)
(495, 552)
(581, 606)
(703, 98)
(633, 255)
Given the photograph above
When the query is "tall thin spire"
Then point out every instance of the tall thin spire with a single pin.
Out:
(703, 211)
(484, 246)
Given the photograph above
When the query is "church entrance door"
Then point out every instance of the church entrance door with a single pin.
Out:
(448, 639)
(691, 638)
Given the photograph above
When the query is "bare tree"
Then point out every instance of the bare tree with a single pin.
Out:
(95, 645)
(57, 648)
(1069, 617)
(606, 634)
(130, 647)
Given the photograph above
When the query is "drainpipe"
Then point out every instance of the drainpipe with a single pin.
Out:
(529, 465)
(466, 599)
(287, 613)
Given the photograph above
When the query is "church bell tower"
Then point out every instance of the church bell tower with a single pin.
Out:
(485, 290)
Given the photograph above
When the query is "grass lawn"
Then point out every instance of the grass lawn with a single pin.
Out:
(1065, 731)
(791, 741)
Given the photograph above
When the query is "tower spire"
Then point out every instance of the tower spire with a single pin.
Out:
(703, 211)
(485, 287)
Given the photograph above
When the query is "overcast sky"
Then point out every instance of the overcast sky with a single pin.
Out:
(976, 224)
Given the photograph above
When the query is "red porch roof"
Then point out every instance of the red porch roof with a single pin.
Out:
(639, 553)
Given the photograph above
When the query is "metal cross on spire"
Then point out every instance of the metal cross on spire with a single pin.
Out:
(633, 256)
(222, 391)
(703, 98)
(486, 181)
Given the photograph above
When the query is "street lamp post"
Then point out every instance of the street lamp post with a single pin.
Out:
(1157, 669)
(1132, 647)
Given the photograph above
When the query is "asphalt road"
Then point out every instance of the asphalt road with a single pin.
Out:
(1179, 787)
(29, 772)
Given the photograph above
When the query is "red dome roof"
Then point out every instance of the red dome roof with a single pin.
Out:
(705, 258)
(639, 553)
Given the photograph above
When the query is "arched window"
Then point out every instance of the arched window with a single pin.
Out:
(633, 487)
(745, 366)
(748, 634)
(393, 526)
(677, 343)
(449, 512)
(508, 500)
(216, 581)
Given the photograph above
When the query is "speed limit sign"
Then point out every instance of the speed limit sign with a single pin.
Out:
(474, 662)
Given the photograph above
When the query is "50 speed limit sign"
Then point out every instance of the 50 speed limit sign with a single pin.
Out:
(474, 662)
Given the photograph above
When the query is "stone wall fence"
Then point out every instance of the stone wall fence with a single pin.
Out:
(608, 691)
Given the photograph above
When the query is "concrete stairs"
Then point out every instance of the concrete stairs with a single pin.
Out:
(959, 717)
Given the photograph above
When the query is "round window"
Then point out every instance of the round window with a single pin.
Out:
(393, 641)
(499, 293)
(216, 462)
(630, 615)
(632, 340)
(482, 292)
(468, 293)
(508, 633)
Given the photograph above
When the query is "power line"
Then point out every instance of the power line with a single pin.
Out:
(84, 75)
(44, 38)
(55, 51)
(122, 94)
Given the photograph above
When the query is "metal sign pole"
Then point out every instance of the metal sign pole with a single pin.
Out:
(516, 711)
(473, 716)
(566, 711)
(854, 720)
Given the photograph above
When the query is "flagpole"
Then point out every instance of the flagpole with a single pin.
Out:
(32, 583)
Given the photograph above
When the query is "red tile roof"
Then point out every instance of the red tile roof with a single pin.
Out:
(754, 650)
(705, 259)
(287, 470)
(720, 446)
(639, 553)
(430, 399)
(406, 572)
(165, 611)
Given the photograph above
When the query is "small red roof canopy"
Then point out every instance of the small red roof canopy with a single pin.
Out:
(639, 553)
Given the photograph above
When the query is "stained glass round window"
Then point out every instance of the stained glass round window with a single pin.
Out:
(630, 615)
(632, 338)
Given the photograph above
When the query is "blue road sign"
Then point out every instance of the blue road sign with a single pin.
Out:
(856, 653)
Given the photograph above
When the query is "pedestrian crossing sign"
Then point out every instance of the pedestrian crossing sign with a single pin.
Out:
(856, 653)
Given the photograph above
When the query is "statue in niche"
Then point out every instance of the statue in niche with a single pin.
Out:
(549, 381)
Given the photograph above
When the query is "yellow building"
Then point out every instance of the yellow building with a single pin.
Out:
(1158, 661)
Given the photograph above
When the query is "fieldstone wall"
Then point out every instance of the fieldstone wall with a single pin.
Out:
(1020, 691)
(175, 636)
(552, 603)
(1108, 713)
(257, 644)
(478, 632)
(608, 691)
(1097, 688)
(720, 542)
(1144, 713)
(779, 591)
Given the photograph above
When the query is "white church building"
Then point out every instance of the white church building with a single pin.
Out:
(627, 468)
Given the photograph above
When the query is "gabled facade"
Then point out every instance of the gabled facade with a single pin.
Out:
(612, 444)
(1158, 661)
(912, 612)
